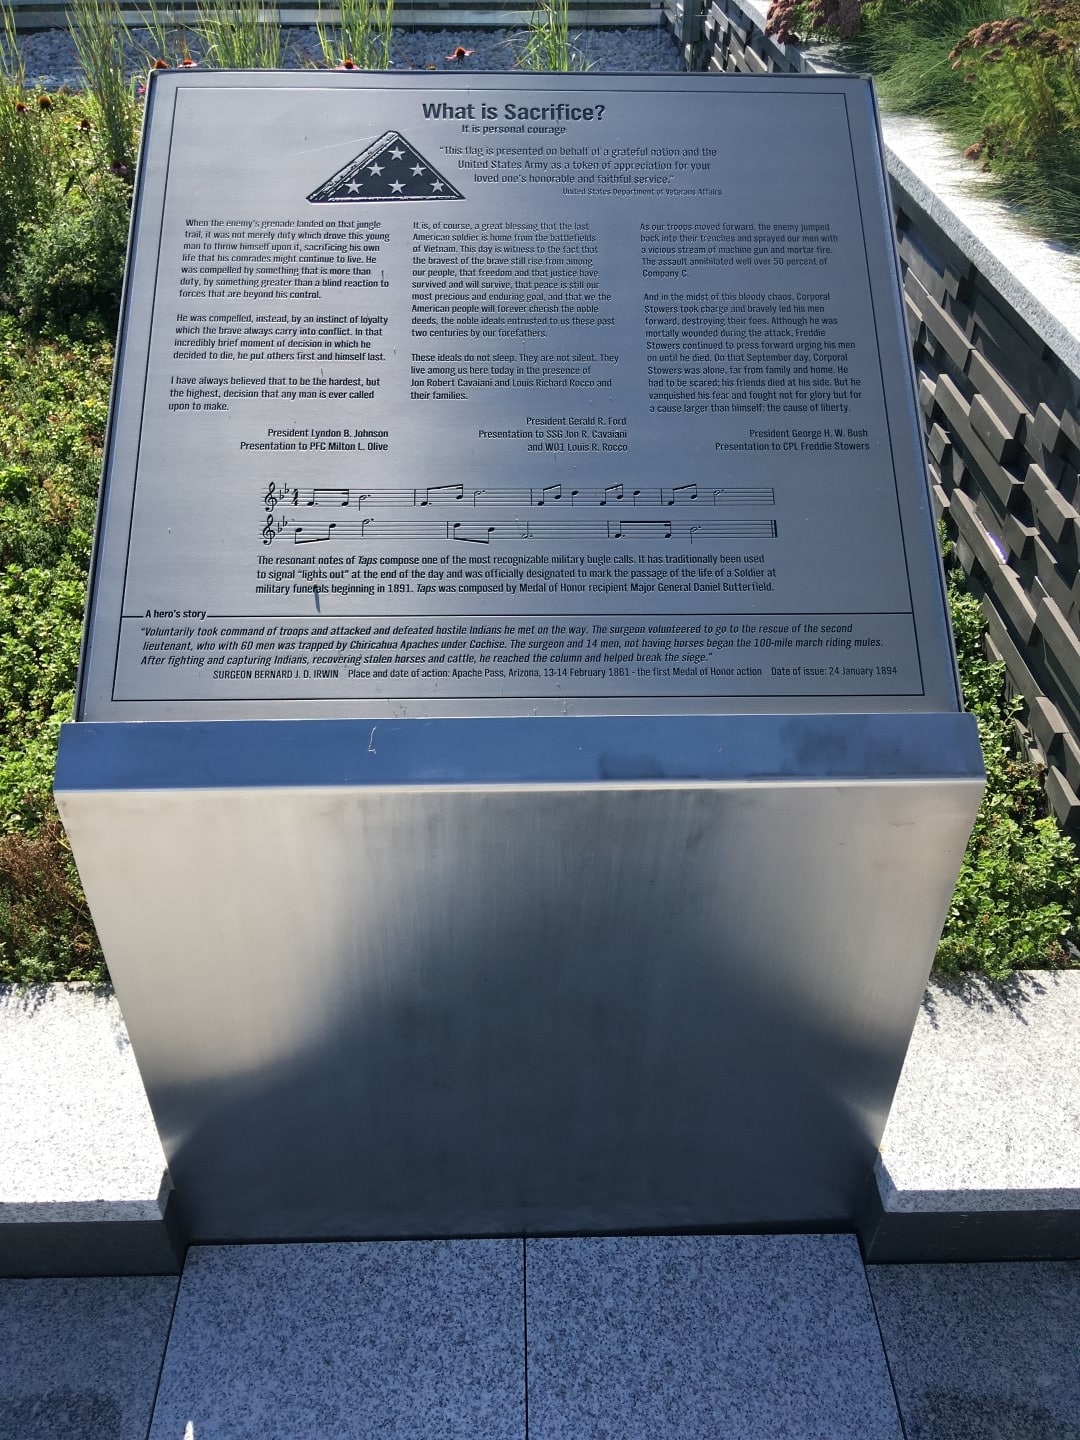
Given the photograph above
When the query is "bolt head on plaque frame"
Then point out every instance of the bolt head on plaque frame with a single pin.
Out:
(519, 772)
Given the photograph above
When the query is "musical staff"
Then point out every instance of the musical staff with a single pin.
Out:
(555, 496)
(470, 533)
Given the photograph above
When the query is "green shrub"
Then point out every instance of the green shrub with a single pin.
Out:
(46, 933)
(31, 153)
(907, 48)
(27, 175)
(63, 214)
(52, 421)
(1001, 77)
(1017, 899)
(101, 38)
(70, 273)
(40, 628)
(1021, 71)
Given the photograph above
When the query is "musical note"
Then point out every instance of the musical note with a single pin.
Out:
(744, 495)
(443, 492)
(329, 497)
(483, 538)
(682, 493)
(304, 535)
(549, 492)
(643, 530)
(611, 492)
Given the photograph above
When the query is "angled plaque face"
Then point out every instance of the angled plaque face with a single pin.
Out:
(489, 394)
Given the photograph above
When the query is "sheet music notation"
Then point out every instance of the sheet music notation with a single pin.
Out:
(556, 496)
(466, 532)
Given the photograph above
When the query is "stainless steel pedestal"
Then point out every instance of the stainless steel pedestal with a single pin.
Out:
(519, 773)
(522, 975)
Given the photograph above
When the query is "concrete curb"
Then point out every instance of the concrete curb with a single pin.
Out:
(84, 1189)
(980, 1159)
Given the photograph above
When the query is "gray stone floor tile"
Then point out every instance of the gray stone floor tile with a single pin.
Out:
(415, 1340)
(983, 1352)
(768, 1337)
(80, 1359)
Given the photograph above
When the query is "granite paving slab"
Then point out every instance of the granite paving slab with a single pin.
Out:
(77, 1141)
(734, 1337)
(420, 1340)
(983, 1352)
(80, 1358)
(987, 1113)
(83, 1185)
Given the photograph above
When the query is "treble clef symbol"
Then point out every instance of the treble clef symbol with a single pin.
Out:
(268, 529)
(271, 497)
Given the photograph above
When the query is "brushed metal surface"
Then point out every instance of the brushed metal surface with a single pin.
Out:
(438, 902)
(455, 1008)
(507, 394)
(518, 750)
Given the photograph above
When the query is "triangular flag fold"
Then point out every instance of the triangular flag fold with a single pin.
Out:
(389, 169)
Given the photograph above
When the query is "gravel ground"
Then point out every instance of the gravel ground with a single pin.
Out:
(50, 58)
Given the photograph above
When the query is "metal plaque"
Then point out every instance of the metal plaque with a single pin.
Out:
(485, 394)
